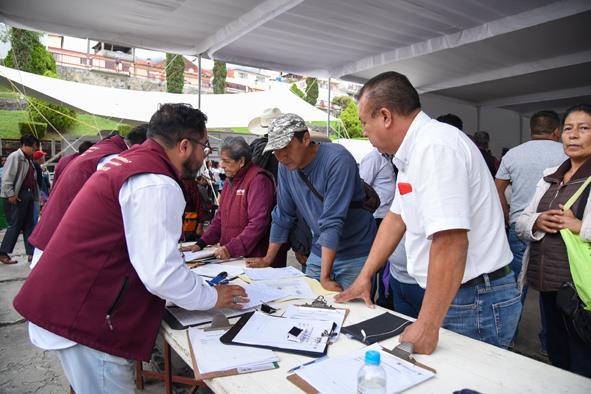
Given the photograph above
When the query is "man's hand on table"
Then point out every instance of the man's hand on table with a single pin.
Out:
(230, 296)
(361, 288)
(221, 253)
(257, 262)
(424, 337)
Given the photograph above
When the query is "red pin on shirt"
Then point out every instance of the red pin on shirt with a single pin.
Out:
(404, 188)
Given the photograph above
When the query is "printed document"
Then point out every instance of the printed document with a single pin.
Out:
(304, 312)
(272, 273)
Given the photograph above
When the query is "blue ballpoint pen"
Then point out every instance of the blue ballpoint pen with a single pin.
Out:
(305, 364)
(219, 278)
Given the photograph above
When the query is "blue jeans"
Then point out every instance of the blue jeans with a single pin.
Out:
(488, 312)
(408, 298)
(517, 247)
(92, 371)
(344, 272)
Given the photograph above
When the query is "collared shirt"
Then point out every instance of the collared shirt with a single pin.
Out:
(152, 206)
(444, 184)
(378, 172)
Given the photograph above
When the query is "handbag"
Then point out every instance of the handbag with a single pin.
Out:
(570, 304)
(370, 203)
(579, 255)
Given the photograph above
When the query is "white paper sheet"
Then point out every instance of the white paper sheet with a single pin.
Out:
(259, 292)
(296, 288)
(213, 356)
(339, 375)
(202, 254)
(272, 273)
(303, 312)
(193, 318)
(265, 330)
(211, 270)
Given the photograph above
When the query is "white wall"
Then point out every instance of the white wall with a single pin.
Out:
(504, 126)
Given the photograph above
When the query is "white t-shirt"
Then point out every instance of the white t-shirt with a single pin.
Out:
(152, 243)
(444, 184)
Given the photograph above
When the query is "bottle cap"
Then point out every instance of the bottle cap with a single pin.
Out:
(372, 357)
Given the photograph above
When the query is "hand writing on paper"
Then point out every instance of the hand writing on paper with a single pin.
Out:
(361, 288)
(257, 262)
(194, 248)
(424, 338)
(231, 296)
(222, 253)
(570, 221)
(549, 221)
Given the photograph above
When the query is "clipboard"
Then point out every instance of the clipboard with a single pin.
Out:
(402, 351)
(220, 322)
(228, 339)
(376, 329)
(174, 324)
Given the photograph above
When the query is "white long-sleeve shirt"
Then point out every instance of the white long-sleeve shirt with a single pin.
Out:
(152, 206)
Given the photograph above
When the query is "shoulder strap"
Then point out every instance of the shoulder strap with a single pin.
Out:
(584, 198)
(577, 194)
(305, 179)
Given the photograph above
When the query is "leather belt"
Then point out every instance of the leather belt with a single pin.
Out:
(491, 276)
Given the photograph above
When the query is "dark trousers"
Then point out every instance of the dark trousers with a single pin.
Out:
(565, 348)
(20, 218)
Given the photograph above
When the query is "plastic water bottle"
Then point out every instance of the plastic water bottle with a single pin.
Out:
(371, 378)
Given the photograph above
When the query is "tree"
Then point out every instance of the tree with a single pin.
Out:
(342, 101)
(175, 73)
(295, 90)
(350, 119)
(311, 91)
(28, 54)
(219, 77)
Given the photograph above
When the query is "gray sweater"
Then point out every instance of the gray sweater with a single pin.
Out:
(15, 172)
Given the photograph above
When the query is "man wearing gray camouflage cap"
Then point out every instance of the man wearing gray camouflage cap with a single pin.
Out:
(320, 182)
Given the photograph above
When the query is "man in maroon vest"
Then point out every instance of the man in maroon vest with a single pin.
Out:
(98, 292)
(72, 180)
(64, 161)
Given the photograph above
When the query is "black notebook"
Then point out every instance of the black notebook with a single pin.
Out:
(379, 328)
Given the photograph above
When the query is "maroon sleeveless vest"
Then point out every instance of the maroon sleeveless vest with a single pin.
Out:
(68, 185)
(84, 287)
(234, 209)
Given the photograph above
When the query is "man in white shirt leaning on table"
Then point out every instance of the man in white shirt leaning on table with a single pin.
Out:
(447, 205)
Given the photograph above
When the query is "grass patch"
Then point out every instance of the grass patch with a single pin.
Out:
(8, 93)
(9, 121)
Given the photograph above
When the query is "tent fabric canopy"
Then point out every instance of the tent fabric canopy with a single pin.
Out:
(222, 110)
(456, 48)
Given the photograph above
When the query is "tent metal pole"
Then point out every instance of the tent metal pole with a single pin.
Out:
(199, 91)
(328, 124)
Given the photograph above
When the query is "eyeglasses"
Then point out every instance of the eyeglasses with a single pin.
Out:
(206, 147)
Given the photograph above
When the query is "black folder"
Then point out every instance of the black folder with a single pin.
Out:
(379, 328)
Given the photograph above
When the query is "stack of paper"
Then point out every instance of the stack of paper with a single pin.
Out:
(272, 273)
(259, 293)
(212, 270)
(295, 288)
(202, 254)
(213, 356)
(336, 316)
(339, 374)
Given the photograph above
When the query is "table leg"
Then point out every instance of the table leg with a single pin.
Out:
(167, 368)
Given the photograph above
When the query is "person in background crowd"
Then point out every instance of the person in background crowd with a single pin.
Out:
(42, 182)
(453, 120)
(546, 263)
(242, 221)
(194, 215)
(482, 139)
(65, 160)
(3, 222)
(19, 191)
(449, 210)
(113, 271)
(321, 182)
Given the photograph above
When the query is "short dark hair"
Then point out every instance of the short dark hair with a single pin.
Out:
(544, 122)
(236, 147)
(29, 140)
(391, 90)
(299, 135)
(586, 108)
(83, 147)
(172, 123)
(137, 135)
(453, 120)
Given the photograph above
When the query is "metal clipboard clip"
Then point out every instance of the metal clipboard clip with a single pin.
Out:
(319, 302)
(219, 322)
(404, 351)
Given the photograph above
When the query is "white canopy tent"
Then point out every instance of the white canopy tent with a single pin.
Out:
(132, 106)
(523, 55)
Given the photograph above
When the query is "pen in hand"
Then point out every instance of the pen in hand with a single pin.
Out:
(218, 278)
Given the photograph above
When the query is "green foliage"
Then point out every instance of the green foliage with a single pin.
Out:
(294, 89)
(342, 101)
(27, 53)
(311, 91)
(350, 119)
(175, 73)
(124, 129)
(36, 128)
(58, 117)
(219, 77)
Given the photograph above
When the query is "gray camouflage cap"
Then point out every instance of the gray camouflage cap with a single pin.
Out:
(282, 129)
